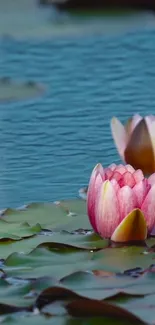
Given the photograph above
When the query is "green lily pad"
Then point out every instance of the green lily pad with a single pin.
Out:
(121, 259)
(103, 287)
(90, 286)
(23, 294)
(61, 320)
(150, 242)
(62, 253)
(82, 307)
(28, 319)
(12, 91)
(143, 307)
(17, 231)
(26, 245)
(67, 215)
(43, 262)
(85, 242)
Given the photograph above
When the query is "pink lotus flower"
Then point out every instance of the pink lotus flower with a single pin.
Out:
(121, 203)
(135, 141)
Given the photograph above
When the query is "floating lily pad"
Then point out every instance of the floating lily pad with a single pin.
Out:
(17, 231)
(61, 320)
(142, 306)
(33, 319)
(11, 90)
(57, 240)
(76, 269)
(53, 255)
(68, 215)
(24, 294)
(42, 262)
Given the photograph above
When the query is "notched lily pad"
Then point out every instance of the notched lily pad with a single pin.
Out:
(77, 241)
(11, 90)
(82, 242)
(76, 269)
(16, 231)
(78, 306)
(56, 262)
(65, 215)
(23, 293)
(122, 259)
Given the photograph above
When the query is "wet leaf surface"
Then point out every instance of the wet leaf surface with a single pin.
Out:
(70, 215)
(58, 271)
(17, 231)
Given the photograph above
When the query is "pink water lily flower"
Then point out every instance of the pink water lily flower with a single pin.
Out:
(135, 141)
(121, 203)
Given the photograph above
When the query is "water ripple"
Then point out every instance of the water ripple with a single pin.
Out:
(49, 145)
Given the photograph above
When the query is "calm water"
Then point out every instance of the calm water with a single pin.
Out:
(49, 145)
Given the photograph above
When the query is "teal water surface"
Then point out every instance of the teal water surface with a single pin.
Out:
(50, 144)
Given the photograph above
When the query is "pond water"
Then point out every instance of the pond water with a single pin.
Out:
(50, 144)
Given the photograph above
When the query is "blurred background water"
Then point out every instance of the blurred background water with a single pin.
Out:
(92, 70)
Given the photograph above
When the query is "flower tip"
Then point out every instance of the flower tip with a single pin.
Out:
(98, 166)
(98, 169)
(113, 120)
(132, 228)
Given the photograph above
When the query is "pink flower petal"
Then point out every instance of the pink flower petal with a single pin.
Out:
(91, 201)
(99, 170)
(135, 120)
(141, 189)
(138, 175)
(151, 117)
(120, 136)
(149, 120)
(117, 176)
(94, 185)
(130, 168)
(121, 169)
(112, 167)
(151, 179)
(107, 210)
(127, 201)
(127, 179)
(115, 185)
(148, 207)
(108, 173)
